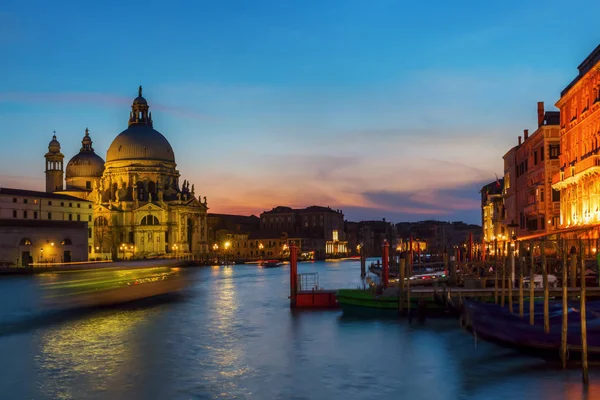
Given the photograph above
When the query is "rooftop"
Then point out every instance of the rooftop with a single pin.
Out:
(34, 193)
(592, 59)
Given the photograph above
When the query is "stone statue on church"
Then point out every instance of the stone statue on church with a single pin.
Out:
(150, 197)
(193, 191)
(178, 196)
(204, 199)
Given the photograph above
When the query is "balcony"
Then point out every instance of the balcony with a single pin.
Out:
(534, 209)
(585, 167)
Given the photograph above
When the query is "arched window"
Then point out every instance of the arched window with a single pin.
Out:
(152, 188)
(100, 221)
(150, 220)
(25, 242)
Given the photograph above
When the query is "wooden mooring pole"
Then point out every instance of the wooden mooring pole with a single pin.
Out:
(511, 252)
(293, 274)
(584, 348)
(401, 285)
(502, 296)
(496, 277)
(531, 284)
(521, 266)
(546, 288)
(565, 310)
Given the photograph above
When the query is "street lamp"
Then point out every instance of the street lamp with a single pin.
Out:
(227, 245)
(123, 247)
(261, 247)
(175, 250)
(513, 237)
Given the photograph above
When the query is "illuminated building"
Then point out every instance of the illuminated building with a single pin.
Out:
(140, 208)
(577, 178)
(41, 226)
(321, 229)
(494, 229)
(531, 205)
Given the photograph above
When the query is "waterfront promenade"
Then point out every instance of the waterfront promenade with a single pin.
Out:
(232, 335)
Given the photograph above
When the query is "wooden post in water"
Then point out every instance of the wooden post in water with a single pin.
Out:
(511, 254)
(546, 288)
(363, 262)
(573, 267)
(521, 266)
(496, 271)
(565, 310)
(531, 285)
(408, 297)
(401, 285)
(385, 266)
(503, 295)
(584, 349)
(293, 274)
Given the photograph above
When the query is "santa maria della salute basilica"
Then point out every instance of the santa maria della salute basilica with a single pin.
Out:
(139, 207)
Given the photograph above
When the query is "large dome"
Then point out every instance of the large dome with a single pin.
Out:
(85, 165)
(140, 142)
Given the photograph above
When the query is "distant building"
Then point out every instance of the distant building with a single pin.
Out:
(438, 236)
(320, 229)
(35, 213)
(374, 233)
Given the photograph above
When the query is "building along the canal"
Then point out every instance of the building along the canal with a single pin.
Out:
(140, 208)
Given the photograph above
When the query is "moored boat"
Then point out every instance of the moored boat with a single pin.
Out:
(271, 263)
(368, 303)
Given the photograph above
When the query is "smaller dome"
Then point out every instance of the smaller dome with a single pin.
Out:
(54, 146)
(85, 164)
(140, 101)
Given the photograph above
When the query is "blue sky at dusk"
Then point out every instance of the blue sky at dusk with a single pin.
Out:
(380, 108)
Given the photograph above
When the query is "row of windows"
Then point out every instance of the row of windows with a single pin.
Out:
(35, 215)
(62, 203)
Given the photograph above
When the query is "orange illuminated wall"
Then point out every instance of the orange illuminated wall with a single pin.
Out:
(578, 179)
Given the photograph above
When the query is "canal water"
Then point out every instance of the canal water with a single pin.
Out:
(233, 336)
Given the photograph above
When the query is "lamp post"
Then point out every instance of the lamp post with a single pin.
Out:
(227, 245)
(123, 247)
(175, 250)
(261, 247)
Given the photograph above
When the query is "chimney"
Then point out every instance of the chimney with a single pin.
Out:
(540, 113)
(519, 140)
(525, 134)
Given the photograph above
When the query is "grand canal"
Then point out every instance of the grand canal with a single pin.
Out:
(232, 336)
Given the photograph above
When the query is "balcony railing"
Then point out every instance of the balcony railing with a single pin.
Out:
(571, 175)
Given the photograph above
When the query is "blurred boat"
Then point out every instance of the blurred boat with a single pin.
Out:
(271, 263)
(108, 286)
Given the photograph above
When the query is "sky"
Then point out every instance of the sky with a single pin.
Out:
(383, 109)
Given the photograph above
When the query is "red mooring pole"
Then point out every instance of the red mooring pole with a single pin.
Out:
(385, 262)
(293, 274)
(470, 247)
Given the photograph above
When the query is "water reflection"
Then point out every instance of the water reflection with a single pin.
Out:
(89, 353)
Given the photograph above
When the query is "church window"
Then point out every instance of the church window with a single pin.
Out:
(131, 237)
(101, 221)
(150, 220)
(88, 185)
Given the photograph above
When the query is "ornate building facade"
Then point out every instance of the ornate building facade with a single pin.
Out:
(140, 209)
(579, 158)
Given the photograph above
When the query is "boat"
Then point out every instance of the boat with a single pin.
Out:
(271, 264)
(367, 302)
(107, 286)
(496, 324)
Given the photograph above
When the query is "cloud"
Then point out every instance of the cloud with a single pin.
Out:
(95, 99)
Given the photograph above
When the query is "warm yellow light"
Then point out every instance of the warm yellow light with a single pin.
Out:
(227, 244)
(52, 244)
(594, 250)
(260, 246)
(215, 246)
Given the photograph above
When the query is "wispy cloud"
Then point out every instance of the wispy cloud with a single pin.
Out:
(96, 99)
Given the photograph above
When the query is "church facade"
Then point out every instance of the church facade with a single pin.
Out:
(140, 208)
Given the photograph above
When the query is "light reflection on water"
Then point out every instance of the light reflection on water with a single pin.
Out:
(233, 336)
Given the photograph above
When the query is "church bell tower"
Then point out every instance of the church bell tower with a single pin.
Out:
(54, 166)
